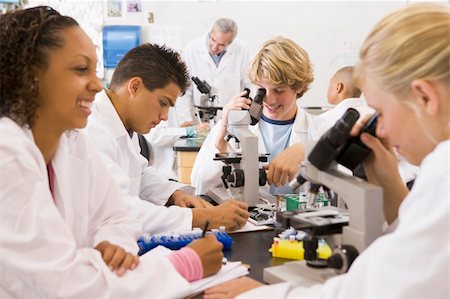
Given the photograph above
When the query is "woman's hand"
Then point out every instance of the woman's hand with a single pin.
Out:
(381, 168)
(117, 258)
(210, 252)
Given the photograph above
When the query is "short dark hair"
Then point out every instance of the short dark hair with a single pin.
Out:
(27, 36)
(156, 65)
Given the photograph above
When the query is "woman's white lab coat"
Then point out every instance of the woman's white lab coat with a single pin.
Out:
(206, 172)
(227, 79)
(46, 250)
(143, 187)
(411, 262)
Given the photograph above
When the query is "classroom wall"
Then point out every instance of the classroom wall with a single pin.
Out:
(330, 31)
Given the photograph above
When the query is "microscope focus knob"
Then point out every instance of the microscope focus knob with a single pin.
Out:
(238, 178)
(262, 177)
(342, 258)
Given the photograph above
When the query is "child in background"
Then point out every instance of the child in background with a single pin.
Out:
(65, 230)
(342, 86)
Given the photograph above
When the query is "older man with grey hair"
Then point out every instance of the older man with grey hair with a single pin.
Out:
(218, 58)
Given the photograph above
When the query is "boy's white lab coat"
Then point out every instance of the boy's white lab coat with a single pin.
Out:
(46, 250)
(228, 78)
(144, 188)
(411, 262)
(206, 172)
(161, 139)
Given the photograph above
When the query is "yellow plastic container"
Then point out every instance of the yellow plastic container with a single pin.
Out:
(293, 249)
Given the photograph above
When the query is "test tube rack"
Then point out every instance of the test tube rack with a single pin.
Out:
(176, 241)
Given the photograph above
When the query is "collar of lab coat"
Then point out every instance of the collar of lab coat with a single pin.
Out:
(302, 131)
(109, 117)
(224, 60)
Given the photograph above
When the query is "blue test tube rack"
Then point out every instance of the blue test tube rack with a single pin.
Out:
(176, 241)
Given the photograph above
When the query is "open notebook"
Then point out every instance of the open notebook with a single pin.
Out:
(228, 271)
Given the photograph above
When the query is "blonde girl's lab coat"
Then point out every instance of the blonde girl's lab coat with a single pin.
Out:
(411, 262)
(206, 172)
(46, 250)
(143, 187)
(227, 79)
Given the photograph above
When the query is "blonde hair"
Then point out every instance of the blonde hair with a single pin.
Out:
(411, 43)
(282, 62)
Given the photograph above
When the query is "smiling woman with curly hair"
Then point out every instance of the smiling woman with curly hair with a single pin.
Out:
(65, 229)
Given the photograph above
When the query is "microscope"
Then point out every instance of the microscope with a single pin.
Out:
(241, 171)
(352, 226)
(209, 102)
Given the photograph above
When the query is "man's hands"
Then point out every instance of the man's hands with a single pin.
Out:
(116, 258)
(210, 252)
(232, 214)
(232, 288)
(181, 199)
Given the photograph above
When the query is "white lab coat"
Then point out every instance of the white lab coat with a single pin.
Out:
(161, 139)
(46, 250)
(228, 78)
(411, 262)
(144, 188)
(206, 172)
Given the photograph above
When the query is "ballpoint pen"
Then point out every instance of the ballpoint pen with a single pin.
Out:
(205, 228)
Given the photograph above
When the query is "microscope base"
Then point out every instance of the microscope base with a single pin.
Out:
(220, 195)
(298, 273)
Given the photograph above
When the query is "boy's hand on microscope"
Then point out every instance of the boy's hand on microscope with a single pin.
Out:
(283, 167)
(210, 252)
(117, 258)
(238, 102)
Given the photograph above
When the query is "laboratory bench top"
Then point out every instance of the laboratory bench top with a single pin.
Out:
(188, 144)
(252, 248)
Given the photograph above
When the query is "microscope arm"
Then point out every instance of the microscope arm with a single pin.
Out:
(364, 202)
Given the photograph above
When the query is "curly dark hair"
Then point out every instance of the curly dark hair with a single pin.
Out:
(26, 38)
(156, 65)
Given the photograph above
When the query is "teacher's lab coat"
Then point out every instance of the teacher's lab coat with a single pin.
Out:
(46, 250)
(227, 79)
(143, 187)
(206, 172)
(411, 262)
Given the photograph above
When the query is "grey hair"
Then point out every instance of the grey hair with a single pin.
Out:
(226, 25)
